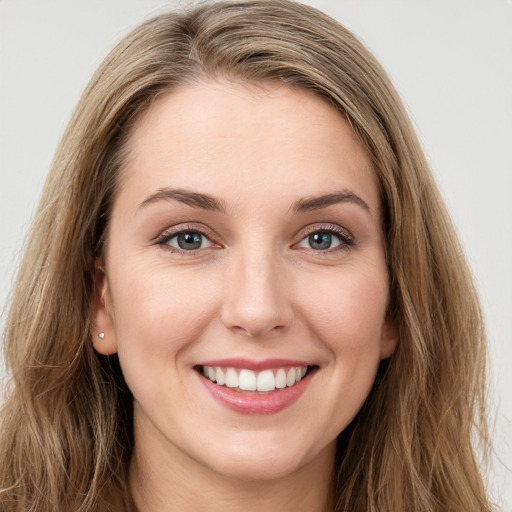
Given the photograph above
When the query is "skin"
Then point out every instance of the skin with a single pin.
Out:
(256, 289)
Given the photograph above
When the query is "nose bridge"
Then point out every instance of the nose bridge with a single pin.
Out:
(257, 300)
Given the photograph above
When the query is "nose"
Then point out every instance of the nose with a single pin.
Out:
(257, 296)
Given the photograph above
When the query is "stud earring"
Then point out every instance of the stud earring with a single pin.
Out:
(101, 335)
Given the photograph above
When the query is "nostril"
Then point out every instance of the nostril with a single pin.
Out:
(254, 330)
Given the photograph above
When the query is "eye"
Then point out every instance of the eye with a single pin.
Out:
(325, 240)
(320, 241)
(187, 241)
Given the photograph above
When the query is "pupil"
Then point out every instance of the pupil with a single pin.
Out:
(320, 241)
(189, 241)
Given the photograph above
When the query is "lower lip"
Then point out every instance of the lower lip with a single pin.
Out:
(255, 403)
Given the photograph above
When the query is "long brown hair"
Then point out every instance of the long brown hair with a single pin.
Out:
(66, 432)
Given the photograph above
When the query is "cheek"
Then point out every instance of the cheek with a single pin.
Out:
(159, 312)
(347, 310)
(158, 315)
(345, 313)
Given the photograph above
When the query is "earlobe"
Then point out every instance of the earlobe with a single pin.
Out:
(389, 339)
(102, 324)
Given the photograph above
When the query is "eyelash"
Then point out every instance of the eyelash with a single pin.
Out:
(165, 237)
(345, 238)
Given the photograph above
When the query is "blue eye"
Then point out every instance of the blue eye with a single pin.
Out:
(188, 241)
(320, 241)
(324, 240)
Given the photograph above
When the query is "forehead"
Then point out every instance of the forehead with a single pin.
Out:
(238, 139)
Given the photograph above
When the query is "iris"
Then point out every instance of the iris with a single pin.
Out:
(320, 241)
(189, 240)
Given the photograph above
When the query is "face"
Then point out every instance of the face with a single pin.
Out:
(245, 286)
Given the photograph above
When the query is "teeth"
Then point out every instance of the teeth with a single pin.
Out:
(266, 381)
(247, 380)
(231, 378)
(280, 379)
(220, 377)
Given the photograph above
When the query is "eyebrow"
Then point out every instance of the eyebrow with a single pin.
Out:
(194, 199)
(316, 203)
(208, 202)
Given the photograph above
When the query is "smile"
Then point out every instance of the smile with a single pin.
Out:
(243, 379)
(256, 388)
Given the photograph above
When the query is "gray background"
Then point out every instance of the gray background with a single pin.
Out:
(451, 61)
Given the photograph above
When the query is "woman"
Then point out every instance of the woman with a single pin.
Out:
(241, 279)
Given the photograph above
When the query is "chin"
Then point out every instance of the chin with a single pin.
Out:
(260, 467)
(263, 461)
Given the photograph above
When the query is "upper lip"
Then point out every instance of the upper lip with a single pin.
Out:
(250, 364)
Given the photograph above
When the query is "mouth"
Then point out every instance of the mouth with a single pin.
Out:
(251, 388)
(247, 380)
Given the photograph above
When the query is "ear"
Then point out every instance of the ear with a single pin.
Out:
(389, 338)
(102, 320)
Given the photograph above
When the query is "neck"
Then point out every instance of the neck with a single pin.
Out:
(167, 480)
